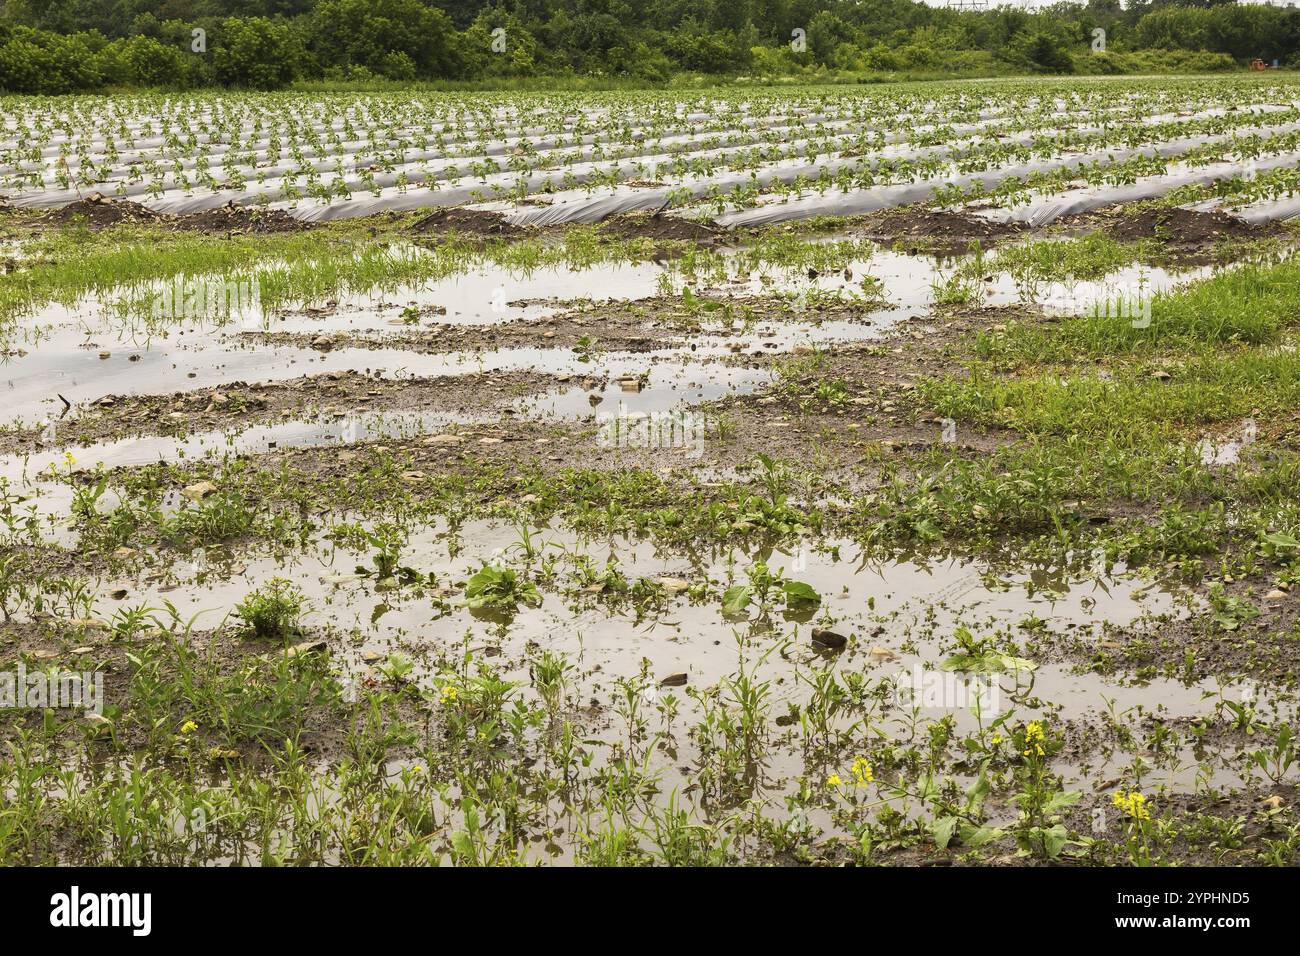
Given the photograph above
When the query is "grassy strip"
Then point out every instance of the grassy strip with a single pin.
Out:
(1252, 304)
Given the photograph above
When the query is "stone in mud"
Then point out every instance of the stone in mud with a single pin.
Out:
(306, 647)
(829, 639)
(673, 585)
(199, 491)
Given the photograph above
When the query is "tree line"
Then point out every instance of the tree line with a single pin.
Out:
(63, 46)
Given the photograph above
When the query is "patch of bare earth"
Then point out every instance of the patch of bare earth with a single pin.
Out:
(923, 229)
(1190, 236)
(97, 211)
(660, 228)
(478, 223)
(232, 218)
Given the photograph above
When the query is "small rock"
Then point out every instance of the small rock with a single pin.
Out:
(674, 680)
(673, 585)
(306, 647)
(199, 491)
(829, 639)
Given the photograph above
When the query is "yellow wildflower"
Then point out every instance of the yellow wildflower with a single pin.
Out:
(449, 695)
(1034, 739)
(862, 773)
(834, 780)
(1133, 804)
(189, 727)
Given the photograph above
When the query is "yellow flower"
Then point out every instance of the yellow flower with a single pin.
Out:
(68, 459)
(1034, 739)
(1133, 804)
(189, 727)
(449, 695)
(997, 739)
(834, 780)
(862, 773)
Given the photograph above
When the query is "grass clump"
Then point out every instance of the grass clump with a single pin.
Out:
(272, 612)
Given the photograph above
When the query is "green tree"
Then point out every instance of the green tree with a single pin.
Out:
(255, 52)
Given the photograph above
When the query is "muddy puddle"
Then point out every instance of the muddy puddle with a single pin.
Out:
(896, 616)
(81, 353)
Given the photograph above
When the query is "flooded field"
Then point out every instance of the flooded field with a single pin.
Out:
(576, 482)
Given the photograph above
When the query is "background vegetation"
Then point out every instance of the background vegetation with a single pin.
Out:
(62, 46)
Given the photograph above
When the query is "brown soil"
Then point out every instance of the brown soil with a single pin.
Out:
(878, 414)
(1176, 227)
(466, 222)
(937, 230)
(660, 229)
(240, 219)
(100, 212)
